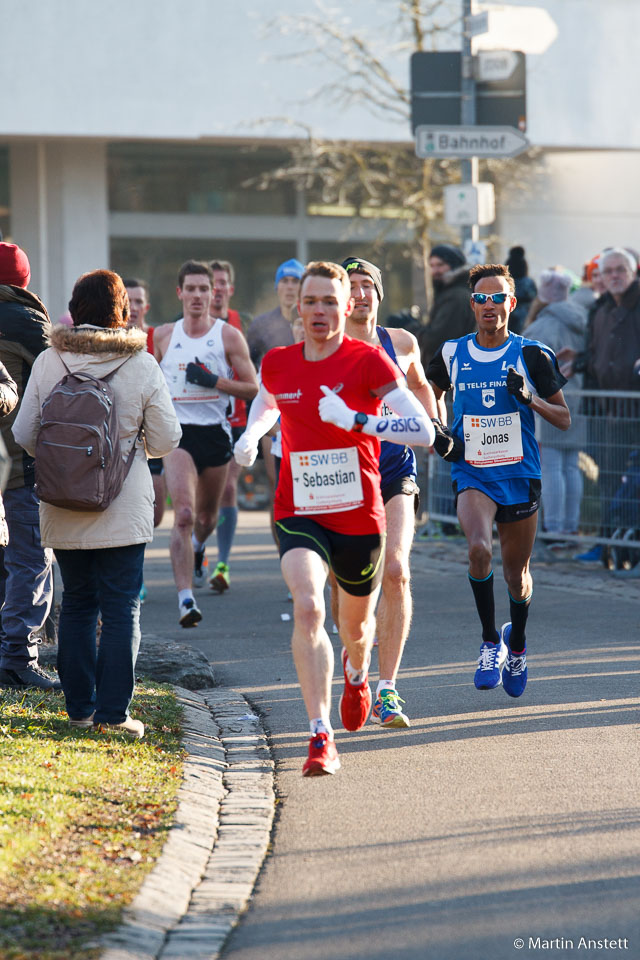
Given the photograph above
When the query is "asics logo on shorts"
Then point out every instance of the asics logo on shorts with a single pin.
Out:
(367, 570)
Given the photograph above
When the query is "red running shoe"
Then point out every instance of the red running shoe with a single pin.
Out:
(355, 702)
(323, 757)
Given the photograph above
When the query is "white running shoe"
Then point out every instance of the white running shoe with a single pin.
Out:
(189, 614)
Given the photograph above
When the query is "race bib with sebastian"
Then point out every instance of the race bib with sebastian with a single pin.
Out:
(328, 473)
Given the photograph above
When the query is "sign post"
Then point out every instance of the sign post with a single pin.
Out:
(442, 140)
(465, 204)
(469, 167)
(466, 107)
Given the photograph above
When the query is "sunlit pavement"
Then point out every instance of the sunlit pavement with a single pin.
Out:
(488, 821)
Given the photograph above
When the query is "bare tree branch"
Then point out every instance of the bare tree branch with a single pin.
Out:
(361, 70)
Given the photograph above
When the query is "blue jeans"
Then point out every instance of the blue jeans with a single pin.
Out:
(99, 677)
(561, 489)
(27, 592)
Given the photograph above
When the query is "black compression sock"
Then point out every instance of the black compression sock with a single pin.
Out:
(483, 595)
(519, 614)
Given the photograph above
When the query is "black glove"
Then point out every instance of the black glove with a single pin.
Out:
(199, 374)
(516, 387)
(445, 444)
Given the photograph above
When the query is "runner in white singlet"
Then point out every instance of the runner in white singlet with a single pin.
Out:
(196, 354)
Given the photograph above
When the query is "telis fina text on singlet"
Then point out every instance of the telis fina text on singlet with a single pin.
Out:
(498, 431)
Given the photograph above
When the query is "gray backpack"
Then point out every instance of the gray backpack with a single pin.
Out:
(78, 462)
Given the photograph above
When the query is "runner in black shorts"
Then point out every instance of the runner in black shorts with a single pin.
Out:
(500, 379)
(356, 562)
(400, 492)
(208, 446)
(402, 486)
(205, 361)
(328, 505)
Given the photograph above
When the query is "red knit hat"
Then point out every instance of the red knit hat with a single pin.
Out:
(14, 265)
(591, 267)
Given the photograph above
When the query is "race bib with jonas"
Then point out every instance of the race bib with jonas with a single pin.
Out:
(326, 481)
(492, 441)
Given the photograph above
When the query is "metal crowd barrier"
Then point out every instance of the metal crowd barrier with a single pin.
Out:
(607, 436)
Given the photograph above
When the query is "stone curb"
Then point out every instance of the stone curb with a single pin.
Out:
(205, 875)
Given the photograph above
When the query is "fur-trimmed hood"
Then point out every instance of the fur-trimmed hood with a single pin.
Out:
(103, 341)
(456, 278)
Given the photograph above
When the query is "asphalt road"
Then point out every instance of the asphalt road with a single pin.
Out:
(490, 822)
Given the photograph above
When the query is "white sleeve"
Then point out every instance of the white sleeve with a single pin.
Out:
(263, 414)
(412, 425)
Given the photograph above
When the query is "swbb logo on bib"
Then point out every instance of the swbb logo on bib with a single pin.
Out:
(492, 441)
(326, 481)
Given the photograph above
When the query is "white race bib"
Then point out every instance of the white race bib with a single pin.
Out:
(492, 441)
(326, 481)
(183, 392)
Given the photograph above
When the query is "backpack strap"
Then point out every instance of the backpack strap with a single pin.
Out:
(109, 375)
(129, 460)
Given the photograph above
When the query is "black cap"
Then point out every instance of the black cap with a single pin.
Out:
(358, 265)
(450, 254)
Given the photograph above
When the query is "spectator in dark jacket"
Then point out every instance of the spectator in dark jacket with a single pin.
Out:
(451, 315)
(525, 288)
(8, 400)
(611, 361)
(27, 591)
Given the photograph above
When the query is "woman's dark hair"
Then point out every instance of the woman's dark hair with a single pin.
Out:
(99, 298)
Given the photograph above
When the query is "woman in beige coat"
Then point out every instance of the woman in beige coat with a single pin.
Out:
(101, 554)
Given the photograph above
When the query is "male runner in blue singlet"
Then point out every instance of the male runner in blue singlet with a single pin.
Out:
(498, 380)
(398, 485)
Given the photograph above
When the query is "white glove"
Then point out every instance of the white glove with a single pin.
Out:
(245, 451)
(334, 410)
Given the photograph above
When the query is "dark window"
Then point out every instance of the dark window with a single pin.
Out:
(189, 178)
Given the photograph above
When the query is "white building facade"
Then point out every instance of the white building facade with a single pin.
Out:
(134, 135)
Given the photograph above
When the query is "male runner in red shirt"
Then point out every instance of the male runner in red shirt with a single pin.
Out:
(328, 507)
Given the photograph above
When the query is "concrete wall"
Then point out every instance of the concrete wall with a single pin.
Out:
(155, 68)
(581, 202)
(59, 213)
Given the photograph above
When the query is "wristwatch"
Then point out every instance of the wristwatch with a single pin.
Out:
(359, 421)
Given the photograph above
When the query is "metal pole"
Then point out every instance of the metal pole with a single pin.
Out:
(468, 168)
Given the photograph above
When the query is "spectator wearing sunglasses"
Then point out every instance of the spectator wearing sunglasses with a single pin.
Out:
(499, 380)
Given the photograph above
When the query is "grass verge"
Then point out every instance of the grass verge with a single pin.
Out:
(83, 817)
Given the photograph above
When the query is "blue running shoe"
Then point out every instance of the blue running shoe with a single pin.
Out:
(490, 664)
(387, 711)
(591, 556)
(514, 675)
